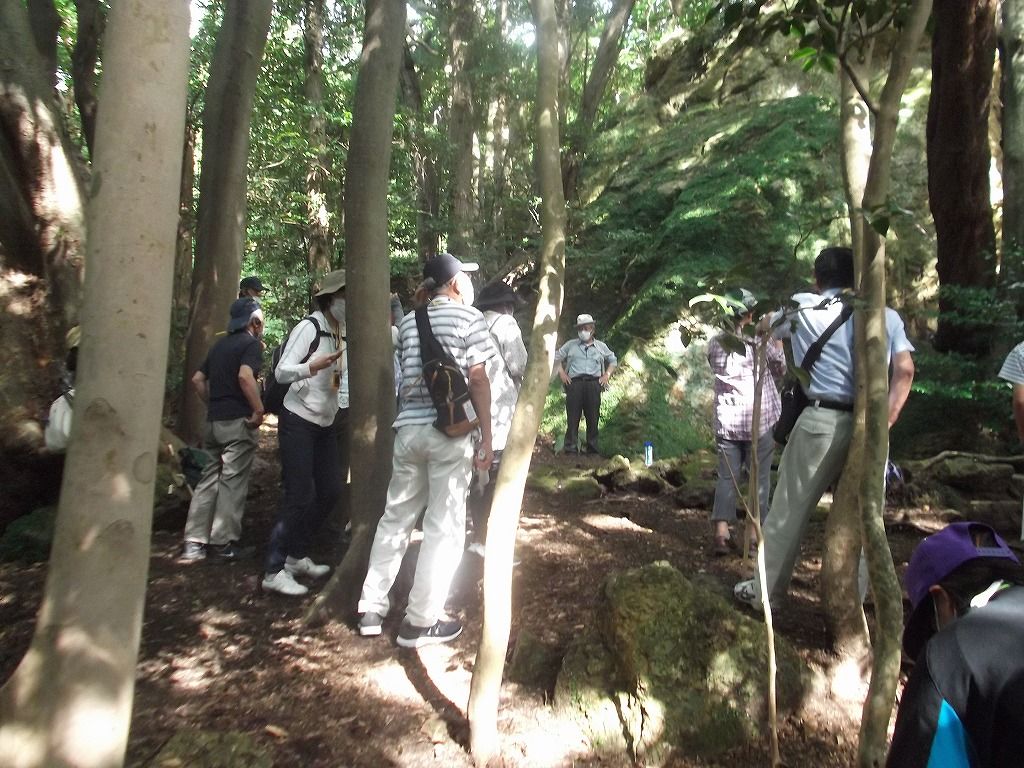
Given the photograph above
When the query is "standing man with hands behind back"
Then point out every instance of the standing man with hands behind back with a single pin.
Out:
(226, 381)
(584, 366)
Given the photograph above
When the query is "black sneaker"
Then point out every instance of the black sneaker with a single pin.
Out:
(230, 552)
(416, 637)
(192, 552)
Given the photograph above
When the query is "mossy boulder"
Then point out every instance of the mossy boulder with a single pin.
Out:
(28, 538)
(669, 666)
(534, 662)
(968, 474)
(209, 749)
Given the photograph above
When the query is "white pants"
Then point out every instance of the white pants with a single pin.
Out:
(433, 471)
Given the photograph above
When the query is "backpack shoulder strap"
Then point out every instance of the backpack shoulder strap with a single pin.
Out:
(814, 351)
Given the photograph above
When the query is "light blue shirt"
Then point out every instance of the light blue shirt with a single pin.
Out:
(832, 377)
(585, 359)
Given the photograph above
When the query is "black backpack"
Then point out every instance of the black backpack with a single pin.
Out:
(445, 382)
(273, 391)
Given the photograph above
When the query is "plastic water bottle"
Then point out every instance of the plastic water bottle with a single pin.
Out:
(648, 453)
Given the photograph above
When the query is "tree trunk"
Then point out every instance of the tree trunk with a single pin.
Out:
(604, 62)
(460, 127)
(428, 206)
(963, 49)
(91, 20)
(371, 370)
(318, 225)
(874, 356)
(42, 233)
(1013, 144)
(515, 462)
(499, 131)
(183, 254)
(839, 589)
(45, 23)
(69, 701)
(220, 235)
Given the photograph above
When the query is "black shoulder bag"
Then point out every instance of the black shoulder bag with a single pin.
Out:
(445, 382)
(793, 397)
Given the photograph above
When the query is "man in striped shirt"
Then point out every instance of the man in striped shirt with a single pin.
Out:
(431, 470)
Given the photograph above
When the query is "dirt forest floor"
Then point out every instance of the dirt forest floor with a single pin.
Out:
(217, 655)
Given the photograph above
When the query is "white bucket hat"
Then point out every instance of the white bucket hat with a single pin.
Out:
(584, 320)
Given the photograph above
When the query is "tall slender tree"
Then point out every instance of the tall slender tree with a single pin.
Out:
(508, 493)
(963, 53)
(1012, 61)
(318, 223)
(91, 16)
(371, 371)
(69, 701)
(223, 182)
(461, 28)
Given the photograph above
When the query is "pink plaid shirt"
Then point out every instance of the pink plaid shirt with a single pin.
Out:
(734, 390)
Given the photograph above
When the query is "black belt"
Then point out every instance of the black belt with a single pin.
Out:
(586, 378)
(832, 405)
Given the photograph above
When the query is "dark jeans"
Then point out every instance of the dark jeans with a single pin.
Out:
(582, 397)
(343, 433)
(309, 473)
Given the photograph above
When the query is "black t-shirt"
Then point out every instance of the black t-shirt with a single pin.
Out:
(225, 358)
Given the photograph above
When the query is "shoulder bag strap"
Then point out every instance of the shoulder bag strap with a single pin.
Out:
(429, 345)
(814, 351)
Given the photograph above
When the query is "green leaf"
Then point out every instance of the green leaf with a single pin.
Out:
(732, 344)
(801, 375)
(803, 53)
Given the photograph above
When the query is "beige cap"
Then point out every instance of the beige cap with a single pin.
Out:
(332, 283)
(584, 320)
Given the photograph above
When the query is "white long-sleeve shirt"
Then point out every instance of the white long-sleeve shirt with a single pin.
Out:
(312, 396)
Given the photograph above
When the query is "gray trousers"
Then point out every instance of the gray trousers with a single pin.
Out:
(734, 460)
(812, 461)
(215, 515)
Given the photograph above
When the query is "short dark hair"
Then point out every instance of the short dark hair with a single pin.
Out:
(834, 268)
(972, 577)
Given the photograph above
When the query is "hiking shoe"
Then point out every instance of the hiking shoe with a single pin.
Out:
(230, 552)
(746, 593)
(369, 625)
(305, 567)
(192, 552)
(283, 583)
(410, 636)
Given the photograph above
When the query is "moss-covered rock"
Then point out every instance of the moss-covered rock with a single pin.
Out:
(534, 662)
(29, 537)
(209, 749)
(670, 666)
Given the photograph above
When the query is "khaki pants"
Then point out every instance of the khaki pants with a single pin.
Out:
(811, 462)
(433, 471)
(215, 515)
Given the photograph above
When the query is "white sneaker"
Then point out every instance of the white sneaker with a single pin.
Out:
(283, 583)
(746, 593)
(305, 567)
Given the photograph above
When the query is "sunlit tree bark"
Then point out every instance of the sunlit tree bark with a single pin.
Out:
(69, 701)
(371, 372)
(515, 462)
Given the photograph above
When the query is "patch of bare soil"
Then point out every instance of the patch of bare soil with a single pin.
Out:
(219, 655)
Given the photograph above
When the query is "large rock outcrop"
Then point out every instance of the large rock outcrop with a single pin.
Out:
(668, 666)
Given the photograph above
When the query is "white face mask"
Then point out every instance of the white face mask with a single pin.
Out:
(466, 290)
(338, 310)
(585, 336)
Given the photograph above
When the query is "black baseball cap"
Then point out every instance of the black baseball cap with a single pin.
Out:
(444, 267)
(251, 283)
(241, 312)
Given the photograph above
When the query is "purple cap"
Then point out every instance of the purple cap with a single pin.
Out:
(933, 560)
